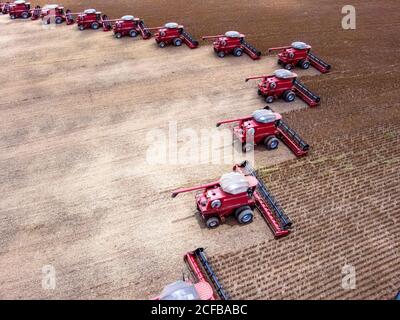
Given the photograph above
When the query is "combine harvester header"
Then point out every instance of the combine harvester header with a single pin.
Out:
(203, 285)
(175, 34)
(266, 127)
(233, 42)
(299, 54)
(284, 84)
(238, 193)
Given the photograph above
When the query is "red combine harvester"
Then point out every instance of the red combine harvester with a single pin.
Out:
(129, 26)
(266, 127)
(92, 19)
(173, 34)
(232, 42)
(20, 9)
(5, 7)
(202, 283)
(284, 84)
(53, 11)
(238, 193)
(299, 54)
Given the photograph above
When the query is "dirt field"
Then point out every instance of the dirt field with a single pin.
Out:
(78, 193)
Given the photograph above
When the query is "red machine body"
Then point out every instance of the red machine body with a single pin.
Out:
(20, 9)
(238, 193)
(173, 34)
(299, 54)
(232, 42)
(203, 284)
(5, 7)
(130, 26)
(92, 19)
(266, 127)
(284, 84)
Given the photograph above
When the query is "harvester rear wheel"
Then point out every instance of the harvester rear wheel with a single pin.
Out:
(118, 35)
(271, 143)
(12, 16)
(177, 42)
(58, 20)
(133, 33)
(244, 215)
(25, 15)
(237, 52)
(221, 54)
(269, 99)
(212, 222)
(81, 27)
(289, 96)
(162, 44)
(95, 25)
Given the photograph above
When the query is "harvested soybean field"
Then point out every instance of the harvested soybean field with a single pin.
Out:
(79, 193)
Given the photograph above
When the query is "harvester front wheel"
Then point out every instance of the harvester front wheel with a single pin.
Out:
(58, 20)
(304, 64)
(288, 66)
(95, 25)
(289, 96)
(271, 143)
(212, 222)
(177, 42)
(237, 52)
(244, 215)
(162, 44)
(133, 33)
(25, 15)
(221, 54)
(269, 99)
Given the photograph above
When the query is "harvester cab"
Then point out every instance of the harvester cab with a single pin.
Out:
(20, 9)
(203, 283)
(233, 42)
(238, 193)
(130, 26)
(175, 34)
(5, 7)
(266, 127)
(92, 19)
(284, 84)
(299, 54)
